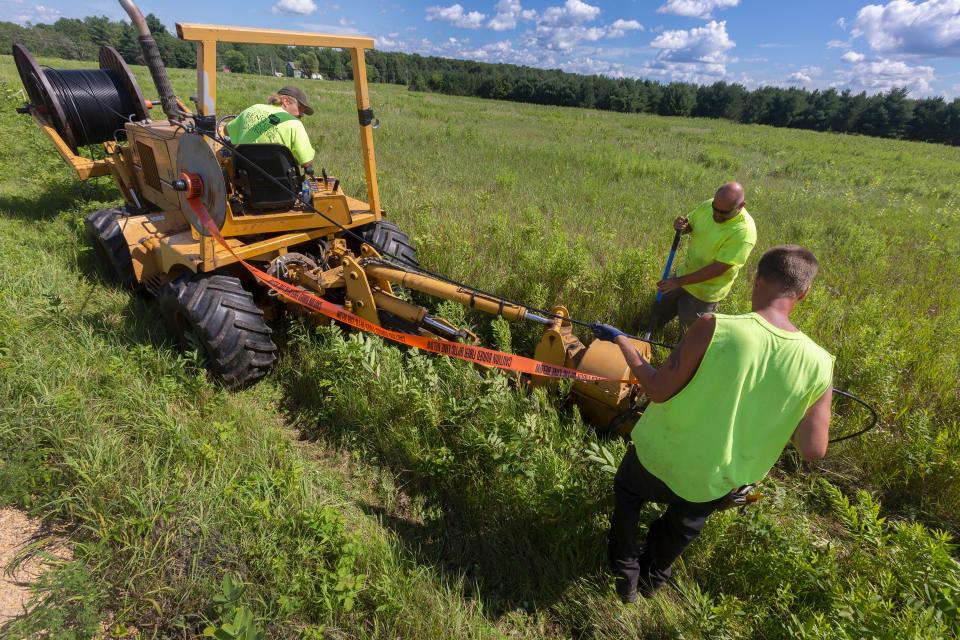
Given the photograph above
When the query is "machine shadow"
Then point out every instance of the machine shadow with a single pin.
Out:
(524, 563)
(139, 323)
(509, 557)
(59, 195)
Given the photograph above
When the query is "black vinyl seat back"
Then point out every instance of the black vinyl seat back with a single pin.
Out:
(259, 191)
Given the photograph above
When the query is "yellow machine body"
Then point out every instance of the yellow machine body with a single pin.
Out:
(164, 244)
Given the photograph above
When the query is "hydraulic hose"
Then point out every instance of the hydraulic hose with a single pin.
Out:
(151, 55)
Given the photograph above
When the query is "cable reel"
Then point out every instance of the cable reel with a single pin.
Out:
(85, 106)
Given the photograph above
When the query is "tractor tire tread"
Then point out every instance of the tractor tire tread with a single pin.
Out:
(386, 235)
(103, 227)
(228, 324)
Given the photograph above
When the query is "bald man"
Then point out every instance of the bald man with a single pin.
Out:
(722, 235)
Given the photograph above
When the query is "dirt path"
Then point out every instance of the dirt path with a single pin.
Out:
(16, 530)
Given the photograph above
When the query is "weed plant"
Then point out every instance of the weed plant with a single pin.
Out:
(430, 499)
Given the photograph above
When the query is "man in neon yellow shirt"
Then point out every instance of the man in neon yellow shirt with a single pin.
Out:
(724, 404)
(277, 123)
(722, 235)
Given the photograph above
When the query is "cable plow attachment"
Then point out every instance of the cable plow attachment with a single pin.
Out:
(606, 392)
(470, 353)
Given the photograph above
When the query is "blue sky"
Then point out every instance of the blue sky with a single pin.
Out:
(809, 43)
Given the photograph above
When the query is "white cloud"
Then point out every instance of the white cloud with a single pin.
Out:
(389, 42)
(838, 44)
(883, 75)
(565, 28)
(620, 27)
(23, 13)
(573, 12)
(503, 51)
(299, 7)
(564, 39)
(695, 8)
(455, 15)
(852, 56)
(558, 38)
(906, 27)
(842, 23)
(804, 76)
(692, 55)
(508, 11)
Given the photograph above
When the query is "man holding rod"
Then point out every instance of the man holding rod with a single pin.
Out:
(722, 235)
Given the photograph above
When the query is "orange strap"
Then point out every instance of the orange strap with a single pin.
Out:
(479, 355)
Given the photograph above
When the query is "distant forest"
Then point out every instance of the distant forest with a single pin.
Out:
(888, 115)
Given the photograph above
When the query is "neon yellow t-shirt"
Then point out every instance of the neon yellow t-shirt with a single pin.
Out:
(728, 426)
(267, 123)
(730, 242)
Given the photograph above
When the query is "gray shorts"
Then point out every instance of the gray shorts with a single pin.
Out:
(681, 304)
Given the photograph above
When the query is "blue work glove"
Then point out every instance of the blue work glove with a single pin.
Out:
(605, 331)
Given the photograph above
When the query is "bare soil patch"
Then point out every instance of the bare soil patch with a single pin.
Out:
(16, 532)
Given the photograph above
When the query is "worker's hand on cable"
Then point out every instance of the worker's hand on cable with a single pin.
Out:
(605, 331)
(681, 223)
(668, 285)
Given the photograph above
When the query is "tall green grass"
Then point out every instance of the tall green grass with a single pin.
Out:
(429, 500)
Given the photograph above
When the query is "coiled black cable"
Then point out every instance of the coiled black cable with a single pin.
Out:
(94, 102)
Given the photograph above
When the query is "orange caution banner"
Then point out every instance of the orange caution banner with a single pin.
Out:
(470, 353)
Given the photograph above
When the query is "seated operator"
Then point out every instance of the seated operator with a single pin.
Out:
(277, 122)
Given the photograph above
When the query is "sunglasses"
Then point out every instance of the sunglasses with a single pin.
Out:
(728, 212)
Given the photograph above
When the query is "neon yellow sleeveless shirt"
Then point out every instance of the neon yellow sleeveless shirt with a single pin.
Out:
(728, 426)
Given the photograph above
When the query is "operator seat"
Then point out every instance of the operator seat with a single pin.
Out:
(257, 190)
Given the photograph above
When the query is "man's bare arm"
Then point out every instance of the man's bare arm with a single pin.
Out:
(662, 384)
(700, 275)
(813, 432)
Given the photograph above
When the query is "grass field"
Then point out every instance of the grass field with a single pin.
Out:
(362, 491)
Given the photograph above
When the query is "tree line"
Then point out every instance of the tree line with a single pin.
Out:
(892, 114)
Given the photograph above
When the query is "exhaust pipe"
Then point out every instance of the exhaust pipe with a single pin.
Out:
(151, 55)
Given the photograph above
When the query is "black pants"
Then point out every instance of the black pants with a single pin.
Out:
(682, 305)
(667, 536)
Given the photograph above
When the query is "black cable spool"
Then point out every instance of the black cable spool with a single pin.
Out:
(85, 106)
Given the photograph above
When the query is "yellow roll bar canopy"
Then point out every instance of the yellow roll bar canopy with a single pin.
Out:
(207, 36)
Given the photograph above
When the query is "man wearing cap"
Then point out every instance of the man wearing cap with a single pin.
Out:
(277, 122)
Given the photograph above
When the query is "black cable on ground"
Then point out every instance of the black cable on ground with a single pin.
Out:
(873, 416)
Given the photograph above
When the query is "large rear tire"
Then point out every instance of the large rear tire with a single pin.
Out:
(216, 313)
(113, 254)
(386, 237)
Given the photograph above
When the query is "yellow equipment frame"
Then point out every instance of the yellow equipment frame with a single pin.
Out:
(207, 36)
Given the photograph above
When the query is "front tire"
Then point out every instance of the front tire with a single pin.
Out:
(219, 314)
(113, 254)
